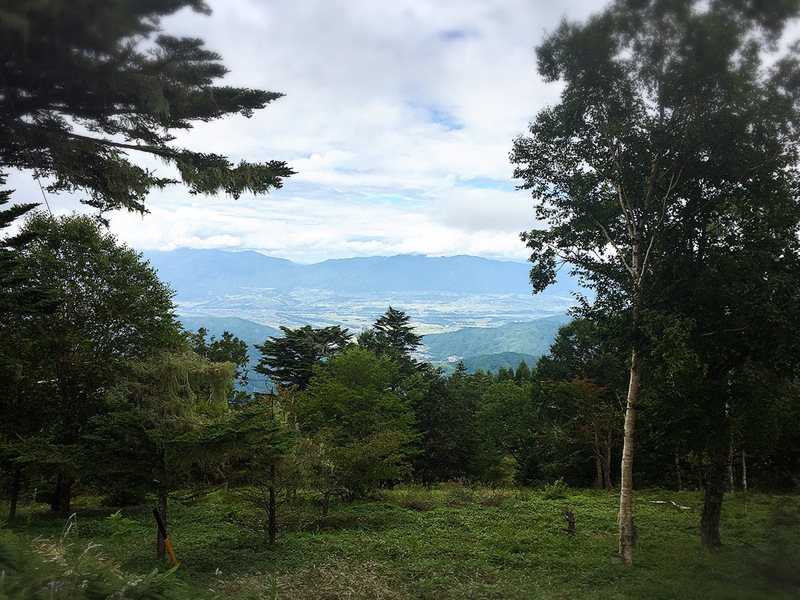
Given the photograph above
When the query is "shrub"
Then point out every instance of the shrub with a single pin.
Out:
(555, 491)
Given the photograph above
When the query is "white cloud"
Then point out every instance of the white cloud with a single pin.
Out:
(398, 118)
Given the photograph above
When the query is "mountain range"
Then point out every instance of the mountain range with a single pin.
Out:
(469, 309)
(438, 293)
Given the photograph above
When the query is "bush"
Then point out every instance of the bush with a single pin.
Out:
(555, 491)
(417, 498)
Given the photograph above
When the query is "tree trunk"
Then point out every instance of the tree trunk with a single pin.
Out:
(731, 478)
(16, 485)
(598, 460)
(56, 494)
(626, 531)
(678, 469)
(272, 525)
(326, 502)
(715, 490)
(161, 548)
(744, 472)
(64, 496)
(607, 460)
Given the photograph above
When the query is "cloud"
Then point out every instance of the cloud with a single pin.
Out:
(398, 118)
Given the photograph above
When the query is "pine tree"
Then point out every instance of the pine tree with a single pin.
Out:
(112, 310)
(393, 336)
(289, 360)
(84, 84)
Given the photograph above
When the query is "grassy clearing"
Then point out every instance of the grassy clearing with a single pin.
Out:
(453, 542)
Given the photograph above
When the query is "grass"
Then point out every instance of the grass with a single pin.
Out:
(454, 542)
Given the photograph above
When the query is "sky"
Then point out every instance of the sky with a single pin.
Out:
(398, 117)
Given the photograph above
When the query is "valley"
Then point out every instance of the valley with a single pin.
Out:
(468, 308)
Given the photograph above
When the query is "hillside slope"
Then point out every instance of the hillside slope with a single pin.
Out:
(531, 339)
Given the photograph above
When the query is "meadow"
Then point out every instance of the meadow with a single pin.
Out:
(451, 541)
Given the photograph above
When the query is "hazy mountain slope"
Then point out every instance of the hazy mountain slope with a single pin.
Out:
(457, 274)
(489, 362)
(438, 294)
(249, 332)
(194, 272)
(197, 273)
(531, 339)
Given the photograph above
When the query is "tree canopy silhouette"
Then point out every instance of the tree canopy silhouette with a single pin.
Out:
(85, 84)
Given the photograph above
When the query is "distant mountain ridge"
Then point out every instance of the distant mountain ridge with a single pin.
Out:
(438, 293)
(197, 272)
(468, 309)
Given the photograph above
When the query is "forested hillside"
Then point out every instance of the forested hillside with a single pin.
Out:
(479, 348)
(533, 339)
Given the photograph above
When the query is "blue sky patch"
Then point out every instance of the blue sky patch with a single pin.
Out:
(454, 35)
(439, 115)
(482, 183)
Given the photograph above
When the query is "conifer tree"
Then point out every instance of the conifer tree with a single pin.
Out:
(289, 360)
(353, 409)
(151, 432)
(393, 336)
(226, 348)
(112, 310)
(84, 85)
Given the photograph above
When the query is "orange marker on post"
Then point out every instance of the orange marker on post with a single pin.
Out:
(163, 531)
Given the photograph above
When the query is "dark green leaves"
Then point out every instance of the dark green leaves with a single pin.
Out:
(70, 67)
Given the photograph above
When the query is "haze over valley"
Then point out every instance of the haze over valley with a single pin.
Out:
(468, 308)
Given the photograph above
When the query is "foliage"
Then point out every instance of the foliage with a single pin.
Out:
(120, 524)
(289, 360)
(12, 299)
(255, 447)
(556, 490)
(449, 443)
(676, 118)
(84, 85)
(508, 421)
(147, 437)
(112, 310)
(392, 335)
(361, 422)
(226, 349)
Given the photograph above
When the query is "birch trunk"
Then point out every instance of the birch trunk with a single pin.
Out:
(626, 532)
(744, 472)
